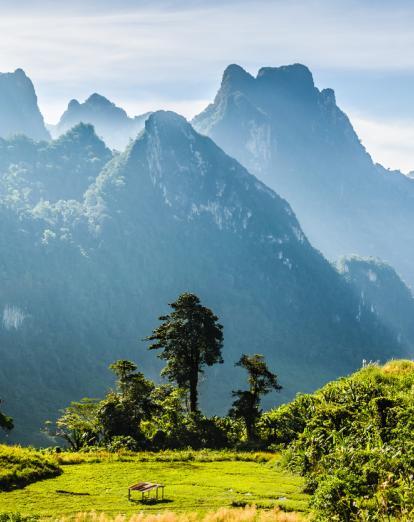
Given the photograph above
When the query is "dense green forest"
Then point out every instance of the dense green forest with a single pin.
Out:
(352, 440)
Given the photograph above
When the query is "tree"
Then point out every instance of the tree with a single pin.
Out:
(190, 338)
(173, 427)
(119, 415)
(261, 381)
(78, 425)
(122, 410)
(125, 371)
(166, 428)
(6, 423)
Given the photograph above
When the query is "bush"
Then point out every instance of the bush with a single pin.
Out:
(19, 467)
(354, 441)
(280, 426)
(122, 442)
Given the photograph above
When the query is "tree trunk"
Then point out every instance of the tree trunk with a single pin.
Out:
(250, 430)
(194, 393)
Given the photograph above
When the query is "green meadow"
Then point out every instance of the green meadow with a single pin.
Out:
(191, 485)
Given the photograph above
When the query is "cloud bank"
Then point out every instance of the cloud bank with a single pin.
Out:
(148, 55)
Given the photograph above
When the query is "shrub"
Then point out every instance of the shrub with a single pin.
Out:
(354, 441)
(122, 442)
(19, 467)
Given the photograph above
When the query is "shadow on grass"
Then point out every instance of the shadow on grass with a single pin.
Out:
(151, 501)
(63, 492)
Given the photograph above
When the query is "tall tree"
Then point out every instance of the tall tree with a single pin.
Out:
(261, 381)
(121, 412)
(6, 423)
(190, 338)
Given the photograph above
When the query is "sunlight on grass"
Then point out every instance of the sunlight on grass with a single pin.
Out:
(398, 367)
(191, 486)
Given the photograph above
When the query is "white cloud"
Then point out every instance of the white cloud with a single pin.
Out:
(140, 53)
(324, 33)
(390, 143)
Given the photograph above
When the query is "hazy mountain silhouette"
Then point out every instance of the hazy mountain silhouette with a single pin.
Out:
(111, 122)
(296, 139)
(19, 112)
(379, 286)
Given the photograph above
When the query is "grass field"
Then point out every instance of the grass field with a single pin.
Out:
(191, 486)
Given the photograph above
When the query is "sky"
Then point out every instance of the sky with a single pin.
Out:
(159, 54)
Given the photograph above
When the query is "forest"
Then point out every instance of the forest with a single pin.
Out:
(351, 440)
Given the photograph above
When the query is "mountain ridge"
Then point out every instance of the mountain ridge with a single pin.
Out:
(110, 121)
(295, 138)
(19, 111)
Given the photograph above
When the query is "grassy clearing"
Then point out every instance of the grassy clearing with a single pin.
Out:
(196, 485)
(66, 458)
(21, 466)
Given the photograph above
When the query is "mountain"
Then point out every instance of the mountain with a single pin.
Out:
(62, 169)
(296, 139)
(19, 112)
(380, 287)
(111, 122)
(83, 280)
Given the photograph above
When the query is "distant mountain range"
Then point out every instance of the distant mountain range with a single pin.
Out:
(294, 138)
(96, 243)
(111, 122)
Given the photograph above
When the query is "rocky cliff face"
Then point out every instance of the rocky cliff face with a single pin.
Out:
(19, 112)
(296, 139)
(379, 287)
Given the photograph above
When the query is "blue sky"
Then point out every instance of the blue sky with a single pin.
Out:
(170, 54)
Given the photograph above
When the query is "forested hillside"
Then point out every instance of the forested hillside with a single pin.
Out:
(85, 279)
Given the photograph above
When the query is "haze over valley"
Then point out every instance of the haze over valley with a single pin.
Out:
(261, 206)
(206, 261)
